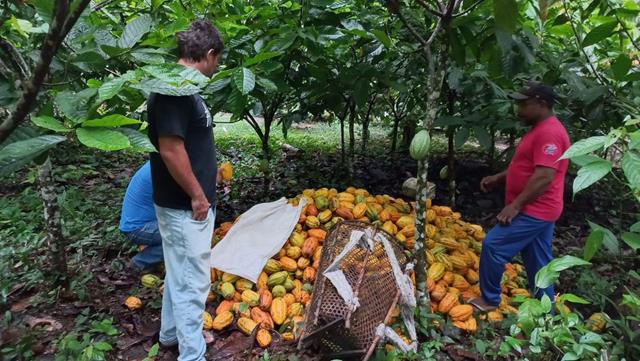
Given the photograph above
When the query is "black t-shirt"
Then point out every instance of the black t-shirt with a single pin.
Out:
(188, 118)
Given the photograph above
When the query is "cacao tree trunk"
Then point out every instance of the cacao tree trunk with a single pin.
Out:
(352, 134)
(53, 224)
(451, 164)
(408, 131)
(492, 150)
(394, 134)
(365, 127)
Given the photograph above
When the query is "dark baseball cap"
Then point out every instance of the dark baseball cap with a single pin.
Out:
(535, 89)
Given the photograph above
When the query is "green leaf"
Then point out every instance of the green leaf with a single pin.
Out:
(113, 120)
(153, 351)
(635, 227)
(483, 137)
(44, 8)
(548, 274)
(158, 86)
(139, 141)
(75, 106)
(110, 88)
(631, 168)
(609, 240)
(590, 174)
(17, 154)
(461, 137)
(134, 31)
(632, 240)
(383, 38)
(621, 66)
(583, 160)
(245, 80)
(50, 123)
(103, 346)
(599, 33)
(267, 85)
(570, 297)
(261, 57)
(593, 243)
(506, 15)
(585, 146)
(103, 139)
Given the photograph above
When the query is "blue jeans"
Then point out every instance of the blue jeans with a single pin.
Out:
(148, 236)
(530, 236)
(187, 251)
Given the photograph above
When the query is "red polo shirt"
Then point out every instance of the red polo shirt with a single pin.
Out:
(541, 146)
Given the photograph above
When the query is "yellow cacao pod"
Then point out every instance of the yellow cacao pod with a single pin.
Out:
(450, 243)
(494, 316)
(295, 309)
(289, 299)
(133, 303)
(296, 239)
(278, 311)
(262, 281)
(287, 264)
(436, 271)
(228, 277)
(461, 312)
(293, 252)
(243, 284)
(263, 337)
(472, 276)
(303, 263)
(226, 171)
(448, 301)
(287, 336)
(325, 216)
(405, 221)
(312, 222)
(389, 227)
(246, 325)
(222, 320)
(317, 253)
(207, 321)
(597, 321)
(359, 210)
(430, 215)
(251, 298)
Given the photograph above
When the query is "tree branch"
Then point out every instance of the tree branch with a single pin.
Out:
(626, 31)
(413, 31)
(99, 6)
(579, 44)
(47, 52)
(73, 18)
(469, 9)
(430, 9)
(18, 61)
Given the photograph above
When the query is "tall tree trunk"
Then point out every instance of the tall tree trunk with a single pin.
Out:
(352, 134)
(451, 166)
(365, 126)
(394, 134)
(343, 116)
(408, 131)
(53, 224)
(451, 154)
(492, 149)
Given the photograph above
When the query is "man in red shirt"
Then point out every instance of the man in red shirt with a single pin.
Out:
(533, 199)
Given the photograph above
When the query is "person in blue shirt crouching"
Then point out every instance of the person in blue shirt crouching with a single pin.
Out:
(138, 221)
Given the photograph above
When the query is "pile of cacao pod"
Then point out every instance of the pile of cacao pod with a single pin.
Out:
(278, 300)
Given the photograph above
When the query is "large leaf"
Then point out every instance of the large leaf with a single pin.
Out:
(592, 245)
(134, 31)
(621, 66)
(113, 120)
(632, 240)
(103, 139)
(158, 86)
(75, 106)
(506, 15)
(483, 137)
(631, 168)
(609, 239)
(585, 146)
(461, 136)
(260, 57)
(383, 38)
(17, 154)
(139, 141)
(599, 33)
(590, 174)
(245, 80)
(50, 123)
(583, 160)
(550, 273)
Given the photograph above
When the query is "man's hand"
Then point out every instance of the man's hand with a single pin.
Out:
(200, 208)
(508, 213)
(489, 182)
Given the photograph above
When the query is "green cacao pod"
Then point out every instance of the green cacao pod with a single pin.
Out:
(321, 203)
(419, 148)
(272, 266)
(278, 278)
(278, 291)
(227, 290)
(444, 172)
(288, 284)
(150, 281)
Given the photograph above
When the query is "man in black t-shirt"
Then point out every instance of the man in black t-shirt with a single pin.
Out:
(183, 173)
